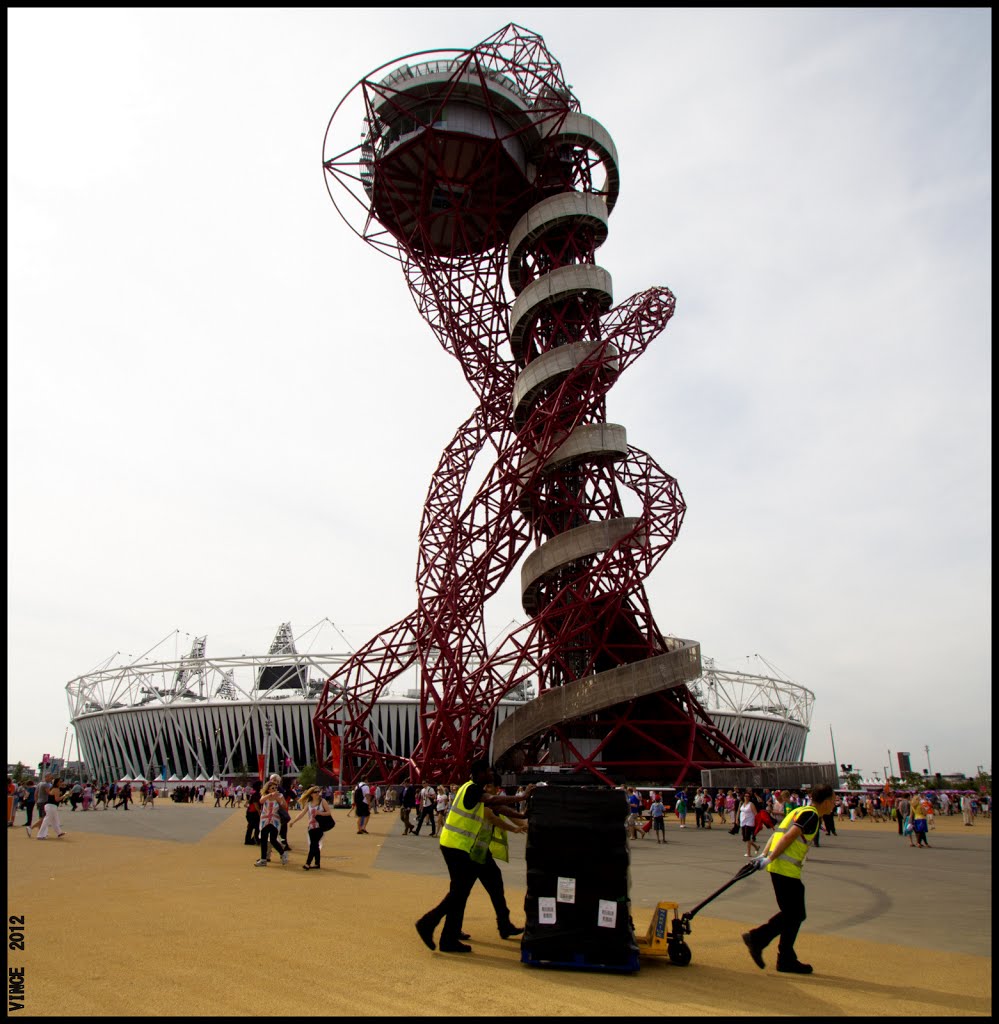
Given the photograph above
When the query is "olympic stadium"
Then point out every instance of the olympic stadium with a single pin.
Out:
(204, 717)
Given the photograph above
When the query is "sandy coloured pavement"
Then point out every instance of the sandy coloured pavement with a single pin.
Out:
(161, 912)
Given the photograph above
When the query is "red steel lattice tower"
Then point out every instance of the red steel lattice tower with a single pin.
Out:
(475, 168)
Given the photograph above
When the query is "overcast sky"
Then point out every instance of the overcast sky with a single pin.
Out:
(224, 410)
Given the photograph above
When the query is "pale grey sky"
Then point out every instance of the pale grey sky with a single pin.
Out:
(224, 410)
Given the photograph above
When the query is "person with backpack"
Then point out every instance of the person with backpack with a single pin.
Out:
(361, 810)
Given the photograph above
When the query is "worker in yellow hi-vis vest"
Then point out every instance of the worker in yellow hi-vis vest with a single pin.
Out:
(783, 857)
(460, 844)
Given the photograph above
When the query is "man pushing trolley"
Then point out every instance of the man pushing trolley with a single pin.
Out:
(783, 857)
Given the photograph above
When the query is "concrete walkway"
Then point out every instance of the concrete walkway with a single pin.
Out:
(161, 912)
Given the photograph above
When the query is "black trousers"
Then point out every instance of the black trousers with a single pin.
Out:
(252, 828)
(464, 874)
(790, 893)
(830, 823)
(269, 833)
(699, 817)
(491, 877)
(427, 812)
(315, 834)
(29, 810)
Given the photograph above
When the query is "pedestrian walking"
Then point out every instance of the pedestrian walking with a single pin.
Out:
(314, 807)
(252, 836)
(407, 805)
(966, 809)
(731, 805)
(428, 808)
(271, 801)
(361, 810)
(53, 798)
(41, 798)
(657, 811)
(747, 822)
(28, 800)
(783, 857)
(443, 804)
(919, 823)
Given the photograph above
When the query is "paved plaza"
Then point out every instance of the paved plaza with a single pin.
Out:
(157, 912)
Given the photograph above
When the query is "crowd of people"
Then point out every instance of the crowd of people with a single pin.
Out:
(52, 792)
(747, 812)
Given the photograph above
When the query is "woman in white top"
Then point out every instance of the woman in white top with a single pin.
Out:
(314, 806)
(747, 819)
(443, 805)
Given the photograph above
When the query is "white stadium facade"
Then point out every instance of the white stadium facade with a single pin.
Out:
(200, 718)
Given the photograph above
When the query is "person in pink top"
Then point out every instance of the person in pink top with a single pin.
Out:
(314, 806)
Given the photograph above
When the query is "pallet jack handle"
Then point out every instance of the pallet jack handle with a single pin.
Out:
(744, 872)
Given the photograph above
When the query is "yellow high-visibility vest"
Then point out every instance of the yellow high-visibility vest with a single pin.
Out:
(790, 861)
(498, 845)
(461, 827)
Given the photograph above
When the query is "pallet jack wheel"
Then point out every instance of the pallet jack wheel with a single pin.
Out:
(679, 953)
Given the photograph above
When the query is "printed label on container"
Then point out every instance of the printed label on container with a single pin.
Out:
(607, 917)
(567, 890)
(546, 910)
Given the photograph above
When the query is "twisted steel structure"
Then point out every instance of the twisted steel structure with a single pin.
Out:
(471, 165)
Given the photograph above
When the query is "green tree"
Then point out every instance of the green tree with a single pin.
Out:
(914, 781)
(307, 776)
(853, 780)
(20, 773)
(983, 780)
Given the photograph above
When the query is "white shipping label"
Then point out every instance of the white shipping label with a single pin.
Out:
(607, 914)
(567, 890)
(546, 910)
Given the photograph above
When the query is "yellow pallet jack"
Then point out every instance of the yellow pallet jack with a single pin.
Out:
(663, 941)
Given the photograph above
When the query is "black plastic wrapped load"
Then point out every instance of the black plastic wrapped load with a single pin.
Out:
(578, 904)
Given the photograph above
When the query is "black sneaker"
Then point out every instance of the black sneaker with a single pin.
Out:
(426, 932)
(794, 967)
(507, 931)
(455, 947)
(756, 952)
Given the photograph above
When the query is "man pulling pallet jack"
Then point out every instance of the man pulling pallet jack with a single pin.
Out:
(783, 857)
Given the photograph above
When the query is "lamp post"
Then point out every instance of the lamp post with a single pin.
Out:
(267, 742)
(929, 767)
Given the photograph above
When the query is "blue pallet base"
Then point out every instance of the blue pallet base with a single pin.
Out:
(579, 962)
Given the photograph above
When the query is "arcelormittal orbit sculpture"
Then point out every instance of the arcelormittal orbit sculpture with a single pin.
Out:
(475, 166)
